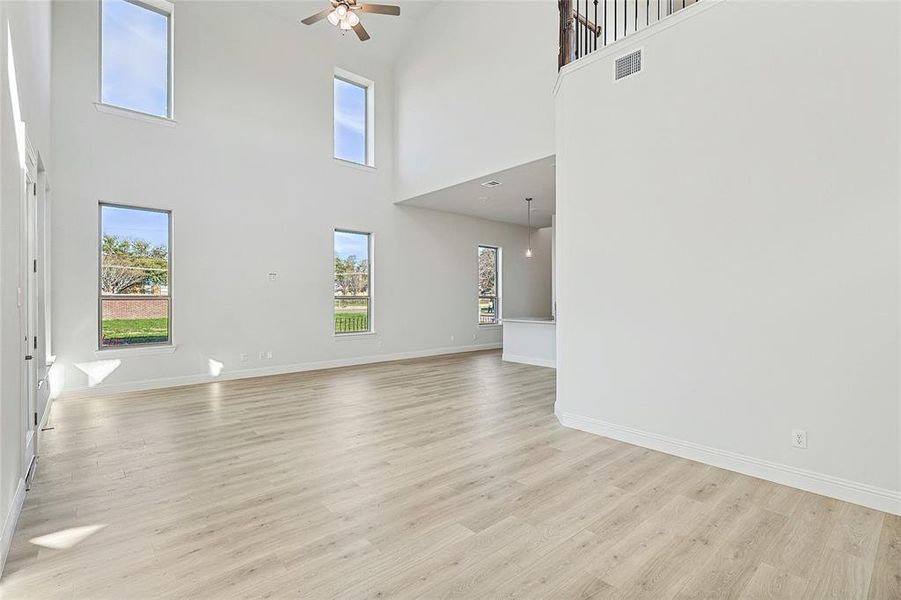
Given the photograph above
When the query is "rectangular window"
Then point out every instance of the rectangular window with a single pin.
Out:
(353, 119)
(135, 55)
(489, 285)
(135, 271)
(353, 282)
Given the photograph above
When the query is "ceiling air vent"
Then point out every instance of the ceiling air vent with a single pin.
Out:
(628, 65)
(491, 183)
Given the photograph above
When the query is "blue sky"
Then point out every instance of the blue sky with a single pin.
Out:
(136, 224)
(135, 58)
(350, 122)
(351, 243)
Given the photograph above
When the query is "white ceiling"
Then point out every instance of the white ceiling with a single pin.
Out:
(505, 202)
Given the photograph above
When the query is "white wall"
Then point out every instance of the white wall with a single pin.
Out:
(475, 86)
(743, 237)
(248, 174)
(28, 23)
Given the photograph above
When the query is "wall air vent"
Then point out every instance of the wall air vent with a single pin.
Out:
(628, 65)
(491, 183)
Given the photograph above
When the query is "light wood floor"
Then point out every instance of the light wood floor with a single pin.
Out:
(427, 478)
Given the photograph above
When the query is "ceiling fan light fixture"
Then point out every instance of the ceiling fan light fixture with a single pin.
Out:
(340, 13)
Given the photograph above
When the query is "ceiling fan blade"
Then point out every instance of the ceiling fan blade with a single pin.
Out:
(317, 17)
(380, 9)
(361, 33)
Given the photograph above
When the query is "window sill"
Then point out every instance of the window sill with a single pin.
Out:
(135, 115)
(353, 165)
(136, 351)
(345, 336)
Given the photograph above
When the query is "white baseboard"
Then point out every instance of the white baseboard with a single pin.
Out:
(9, 523)
(166, 382)
(530, 360)
(870, 496)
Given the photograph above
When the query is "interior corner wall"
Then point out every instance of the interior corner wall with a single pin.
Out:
(737, 202)
(29, 26)
(475, 85)
(248, 174)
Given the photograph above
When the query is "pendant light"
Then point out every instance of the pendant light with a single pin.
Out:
(529, 208)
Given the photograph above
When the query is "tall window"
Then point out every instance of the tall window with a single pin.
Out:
(489, 285)
(135, 300)
(353, 282)
(135, 55)
(353, 119)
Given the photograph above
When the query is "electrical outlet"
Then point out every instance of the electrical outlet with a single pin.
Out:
(262, 356)
(273, 276)
(243, 357)
(452, 338)
(799, 438)
(475, 336)
(269, 355)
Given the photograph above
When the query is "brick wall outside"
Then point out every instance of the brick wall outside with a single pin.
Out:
(154, 308)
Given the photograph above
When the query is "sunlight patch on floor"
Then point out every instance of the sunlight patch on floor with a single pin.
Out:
(98, 370)
(66, 538)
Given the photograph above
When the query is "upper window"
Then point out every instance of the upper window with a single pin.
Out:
(135, 55)
(353, 119)
(135, 298)
(489, 285)
(353, 282)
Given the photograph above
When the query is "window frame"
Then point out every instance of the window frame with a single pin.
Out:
(498, 285)
(169, 343)
(370, 304)
(369, 86)
(162, 7)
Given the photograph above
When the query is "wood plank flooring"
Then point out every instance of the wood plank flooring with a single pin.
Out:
(435, 478)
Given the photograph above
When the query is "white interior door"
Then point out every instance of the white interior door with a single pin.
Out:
(27, 319)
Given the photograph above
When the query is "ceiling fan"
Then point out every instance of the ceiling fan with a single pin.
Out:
(343, 15)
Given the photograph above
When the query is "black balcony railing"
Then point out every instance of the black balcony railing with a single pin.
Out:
(487, 310)
(352, 323)
(352, 314)
(586, 25)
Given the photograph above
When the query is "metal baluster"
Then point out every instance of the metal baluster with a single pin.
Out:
(596, 24)
(615, 19)
(587, 30)
(577, 28)
(605, 22)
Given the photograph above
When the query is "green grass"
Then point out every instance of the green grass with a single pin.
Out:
(135, 331)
